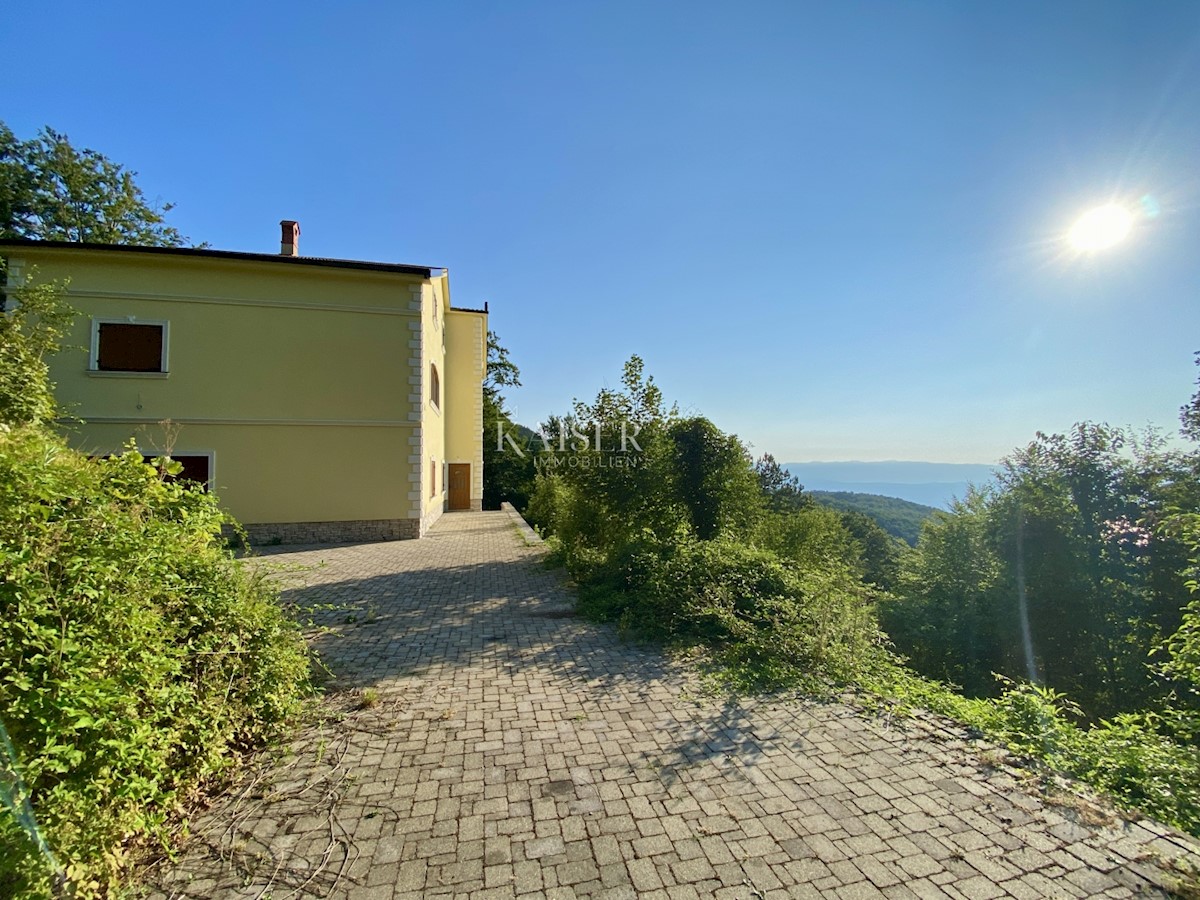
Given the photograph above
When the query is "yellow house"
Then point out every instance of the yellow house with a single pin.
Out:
(322, 399)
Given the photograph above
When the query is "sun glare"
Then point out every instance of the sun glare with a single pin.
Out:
(1101, 228)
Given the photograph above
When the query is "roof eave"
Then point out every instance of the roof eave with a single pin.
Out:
(232, 255)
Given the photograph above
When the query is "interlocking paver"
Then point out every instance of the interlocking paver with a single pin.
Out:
(510, 749)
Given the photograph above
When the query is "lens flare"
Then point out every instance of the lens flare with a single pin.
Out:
(1101, 228)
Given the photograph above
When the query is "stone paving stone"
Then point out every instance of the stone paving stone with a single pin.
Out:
(517, 751)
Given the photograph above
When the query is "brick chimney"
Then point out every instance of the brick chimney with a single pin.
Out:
(289, 243)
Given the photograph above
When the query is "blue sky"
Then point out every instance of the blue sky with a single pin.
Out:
(833, 228)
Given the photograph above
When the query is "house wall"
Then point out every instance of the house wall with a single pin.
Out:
(433, 423)
(282, 473)
(300, 382)
(466, 355)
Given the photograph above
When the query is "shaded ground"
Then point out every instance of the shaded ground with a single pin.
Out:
(482, 742)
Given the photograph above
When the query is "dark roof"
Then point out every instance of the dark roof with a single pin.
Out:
(396, 268)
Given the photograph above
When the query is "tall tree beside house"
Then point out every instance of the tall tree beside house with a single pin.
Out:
(508, 467)
(30, 332)
(49, 190)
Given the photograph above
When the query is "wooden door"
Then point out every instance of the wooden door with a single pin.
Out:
(460, 486)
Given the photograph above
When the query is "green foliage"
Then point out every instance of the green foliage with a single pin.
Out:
(608, 475)
(689, 542)
(136, 655)
(781, 488)
(508, 467)
(1063, 549)
(501, 370)
(1180, 651)
(879, 552)
(32, 325)
(771, 623)
(942, 616)
(1089, 543)
(715, 483)
(51, 191)
(811, 537)
(899, 518)
(1135, 758)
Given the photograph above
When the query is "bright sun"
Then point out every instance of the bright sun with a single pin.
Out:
(1101, 228)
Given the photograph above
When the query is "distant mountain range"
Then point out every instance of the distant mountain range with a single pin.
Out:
(927, 483)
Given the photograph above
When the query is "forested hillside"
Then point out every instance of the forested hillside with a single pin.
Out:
(899, 518)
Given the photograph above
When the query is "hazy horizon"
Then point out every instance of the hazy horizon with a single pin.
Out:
(920, 481)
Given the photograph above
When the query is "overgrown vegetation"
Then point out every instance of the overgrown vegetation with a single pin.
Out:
(1067, 571)
(1069, 579)
(674, 533)
(137, 656)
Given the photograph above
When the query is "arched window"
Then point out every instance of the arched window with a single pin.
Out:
(435, 386)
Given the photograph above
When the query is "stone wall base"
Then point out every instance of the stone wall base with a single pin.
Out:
(268, 534)
(477, 505)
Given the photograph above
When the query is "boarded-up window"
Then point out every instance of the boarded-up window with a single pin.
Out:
(195, 468)
(125, 347)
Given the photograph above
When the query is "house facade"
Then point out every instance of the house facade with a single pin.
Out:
(322, 399)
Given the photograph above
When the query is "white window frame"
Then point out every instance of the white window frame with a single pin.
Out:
(94, 351)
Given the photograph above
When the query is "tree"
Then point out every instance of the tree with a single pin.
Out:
(782, 488)
(713, 475)
(1190, 414)
(35, 320)
(1061, 572)
(508, 467)
(609, 479)
(501, 371)
(51, 191)
(947, 619)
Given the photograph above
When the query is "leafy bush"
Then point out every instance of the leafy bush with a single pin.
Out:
(773, 624)
(136, 655)
(691, 542)
(1137, 759)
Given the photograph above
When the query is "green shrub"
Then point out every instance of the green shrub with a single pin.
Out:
(137, 656)
(774, 625)
(1131, 759)
(1137, 759)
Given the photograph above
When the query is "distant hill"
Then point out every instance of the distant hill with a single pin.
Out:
(901, 518)
(926, 483)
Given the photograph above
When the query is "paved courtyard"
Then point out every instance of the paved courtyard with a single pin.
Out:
(482, 742)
